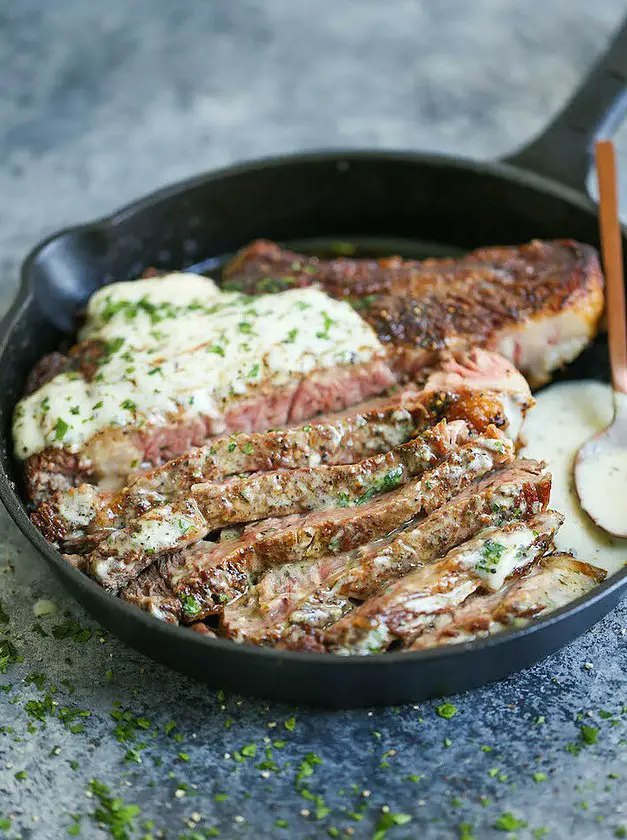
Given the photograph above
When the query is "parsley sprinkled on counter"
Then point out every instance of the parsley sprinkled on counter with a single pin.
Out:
(589, 734)
(508, 822)
(112, 812)
(388, 820)
(446, 711)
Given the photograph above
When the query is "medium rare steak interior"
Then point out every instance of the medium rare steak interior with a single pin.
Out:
(319, 456)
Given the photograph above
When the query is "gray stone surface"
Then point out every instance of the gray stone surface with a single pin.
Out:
(103, 102)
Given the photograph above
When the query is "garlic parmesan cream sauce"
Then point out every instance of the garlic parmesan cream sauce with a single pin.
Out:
(178, 346)
(566, 416)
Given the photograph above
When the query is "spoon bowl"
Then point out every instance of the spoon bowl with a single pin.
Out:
(601, 473)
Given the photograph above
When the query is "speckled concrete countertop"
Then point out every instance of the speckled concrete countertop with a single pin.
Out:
(103, 102)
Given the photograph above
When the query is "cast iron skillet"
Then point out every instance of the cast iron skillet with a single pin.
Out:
(457, 204)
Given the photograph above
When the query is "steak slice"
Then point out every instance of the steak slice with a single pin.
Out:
(292, 600)
(537, 304)
(211, 579)
(480, 387)
(165, 530)
(557, 580)
(155, 375)
(484, 562)
(281, 493)
(151, 593)
(115, 453)
(367, 429)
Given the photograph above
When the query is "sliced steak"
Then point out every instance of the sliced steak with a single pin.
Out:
(480, 387)
(484, 562)
(284, 492)
(538, 304)
(151, 593)
(371, 427)
(214, 579)
(110, 456)
(292, 600)
(558, 580)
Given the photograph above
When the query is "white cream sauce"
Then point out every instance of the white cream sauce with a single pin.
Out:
(566, 416)
(178, 347)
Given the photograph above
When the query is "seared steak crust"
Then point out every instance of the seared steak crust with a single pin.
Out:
(539, 304)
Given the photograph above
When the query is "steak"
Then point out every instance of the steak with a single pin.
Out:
(537, 304)
(557, 580)
(367, 429)
(151, 593)
(484, 562)
(151, 378)
(480, 388)
(111, 456)
(291, 600)
(212, 578)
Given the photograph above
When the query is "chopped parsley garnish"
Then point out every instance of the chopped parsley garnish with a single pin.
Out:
(388, 820)
(248, 448)
(8, 655)
(307, 767)
(128, 405)
(254, 371)
(60, 429)
(334, 543)
(290, 338)
(508, 822)
(70, 629)
(290, 724)
(215, 348)
(185, 525)
(491, 553)
(113, 812)
(189, 605)
(446, 711)
(328, 323)
(363, 303)
(154, 370)
(589, 734)
(245, 327)
(382, 485)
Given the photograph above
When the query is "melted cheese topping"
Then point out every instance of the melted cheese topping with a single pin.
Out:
(177, 347)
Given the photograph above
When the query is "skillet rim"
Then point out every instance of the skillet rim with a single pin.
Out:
(17, 510)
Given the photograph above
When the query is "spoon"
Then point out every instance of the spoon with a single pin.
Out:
(601, 463)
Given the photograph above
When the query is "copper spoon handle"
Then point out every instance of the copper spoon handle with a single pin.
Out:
(612, 248)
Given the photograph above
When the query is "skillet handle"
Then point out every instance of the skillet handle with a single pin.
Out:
(563, 151)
